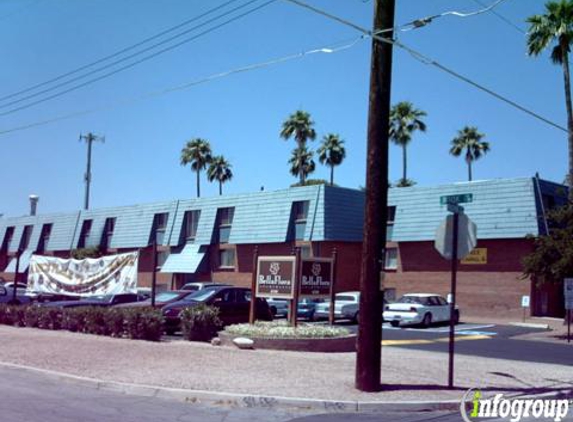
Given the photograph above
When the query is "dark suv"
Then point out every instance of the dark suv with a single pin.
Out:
(99, 301)
(233, 304)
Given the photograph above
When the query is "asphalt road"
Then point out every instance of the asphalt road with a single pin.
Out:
(34, 397)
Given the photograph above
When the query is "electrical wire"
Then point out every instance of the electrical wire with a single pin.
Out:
(331, 48)
(427, 60)
(130, 65)
(503, 18)
(119, 52)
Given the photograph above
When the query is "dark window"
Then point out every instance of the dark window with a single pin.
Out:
(225, 221)
(299, 216)
(225, 296)
(107, 234)
(227, 258)
(85, 234)
(190, 224)
(159, 228)
(390, 222)
(25, 239)
(7, 238)
(44, 237)
(391, 259)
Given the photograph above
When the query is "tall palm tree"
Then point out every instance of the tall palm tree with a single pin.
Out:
(220, 170)
(300, 126)
(331, 152)
(301, 163)
(470, 141)
(555, 28)
(197, 153)
(405, 119)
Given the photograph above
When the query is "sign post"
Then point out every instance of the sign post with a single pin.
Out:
(568, 294)
(460, 245)
(254, 286)
(524, 304)
(332, 289)
(297, 277)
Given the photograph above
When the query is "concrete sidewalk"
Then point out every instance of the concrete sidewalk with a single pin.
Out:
(180, 366)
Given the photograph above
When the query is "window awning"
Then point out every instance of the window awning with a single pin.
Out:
(24, 262)
(187, 261)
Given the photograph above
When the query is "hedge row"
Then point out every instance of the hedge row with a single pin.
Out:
(139, 324)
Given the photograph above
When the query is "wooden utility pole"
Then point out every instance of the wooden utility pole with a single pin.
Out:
(89, 138)
(369, 353)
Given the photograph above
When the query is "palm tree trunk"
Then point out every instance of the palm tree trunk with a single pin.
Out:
(469, 161)
(220, 188)
(404, 161)
(567, 80)
(331, 175)
(198, 186)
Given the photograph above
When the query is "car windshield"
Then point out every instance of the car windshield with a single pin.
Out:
(202, 295)
(102, 298)
(345, 298)
(413, 299)
(165, 296)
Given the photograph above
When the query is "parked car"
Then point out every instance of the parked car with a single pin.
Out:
(161, 299)
(200, 285)
(233, 304)
(7, 296)
(345, 307)
(307, 308)
(419, 308)
(279, 307)
(100, 301)
(18, 285)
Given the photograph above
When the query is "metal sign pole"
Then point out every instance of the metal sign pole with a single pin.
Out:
(332, 289)
(568, 325)
(254, 286)
(453, 301)
(297, 276)
(15, 286)
(154, 274)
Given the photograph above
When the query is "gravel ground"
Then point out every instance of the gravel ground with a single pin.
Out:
(410, 375)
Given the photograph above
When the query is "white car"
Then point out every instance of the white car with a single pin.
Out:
(419, 308)
(345, 307)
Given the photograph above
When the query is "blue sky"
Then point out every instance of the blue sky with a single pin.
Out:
(241, 115)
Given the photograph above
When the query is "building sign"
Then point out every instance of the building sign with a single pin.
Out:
(477, 256)
(316, 277)
(110, 274)
(276, 276)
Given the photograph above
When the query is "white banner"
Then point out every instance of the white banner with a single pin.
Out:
(87, 277)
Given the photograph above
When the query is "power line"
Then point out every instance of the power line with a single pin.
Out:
(426, 60)
(503, 18)
(117, 53)
(143, 59)
(331, 48)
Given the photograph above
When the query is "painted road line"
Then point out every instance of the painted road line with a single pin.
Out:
(475, 337)
(415, 342)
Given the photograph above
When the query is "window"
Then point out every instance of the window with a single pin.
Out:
(190, 224)
(391, 259)
(44, 237)
(85, 234)
(225, 219)
(7, 238)
(161, 258)
(299, 216)
(227, 258)
(108, 229)
(390, 222)
(305, 251)
(159, 227)
(25, 239)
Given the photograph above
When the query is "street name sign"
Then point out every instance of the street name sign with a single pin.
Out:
(467, 236)
(456, 199)
(276, 276)
(316, 277)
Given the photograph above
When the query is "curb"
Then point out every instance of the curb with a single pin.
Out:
(243, 400)
(530, 325)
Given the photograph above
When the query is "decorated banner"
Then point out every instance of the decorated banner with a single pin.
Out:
(86, 277)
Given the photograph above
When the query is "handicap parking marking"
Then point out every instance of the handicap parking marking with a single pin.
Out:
(464, 329)
(415, 342)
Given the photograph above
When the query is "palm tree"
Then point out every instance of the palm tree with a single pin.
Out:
(219, 169)
(301, 163)
(196, 152)
(555, 28)
(470, 141)
(300, 126)
(404, 121)
(331, 152)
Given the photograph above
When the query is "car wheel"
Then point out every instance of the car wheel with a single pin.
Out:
(394, 324)
(169, 331)
(273, 310)
(456, 317)
(356, 318)
(427, 321)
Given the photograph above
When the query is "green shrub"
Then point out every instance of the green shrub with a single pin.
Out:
(32, 316)
(4, 318)
(74, 320)
(143, 323)
(114, 320)
(200, 323)
(50, 318)
(282, 329)
(15, 315)
(95, 322)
